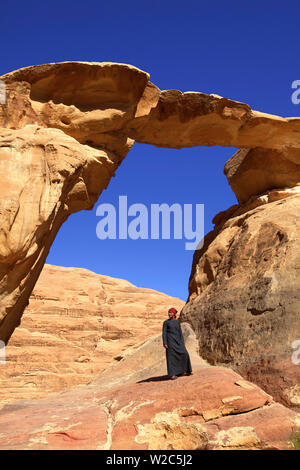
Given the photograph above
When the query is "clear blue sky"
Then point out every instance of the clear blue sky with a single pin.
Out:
(244, 51)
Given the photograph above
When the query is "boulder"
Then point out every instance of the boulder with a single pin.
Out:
(255, 171)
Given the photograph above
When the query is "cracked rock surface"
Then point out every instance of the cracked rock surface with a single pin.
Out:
(131, 405)
(65, 129)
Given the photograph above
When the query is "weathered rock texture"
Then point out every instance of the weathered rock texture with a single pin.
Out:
(50, 169)
(212, 409)
(98, 103)
(244, 292)
(64, 130)
(254, 171)
(76, 324)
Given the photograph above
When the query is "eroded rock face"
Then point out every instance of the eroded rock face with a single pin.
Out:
(64, 130)
(77, 323)
(47, 175)
(51, 163)
(255, 171)
(244, 293)
(145, 411)
(89, 99)
(190, 119)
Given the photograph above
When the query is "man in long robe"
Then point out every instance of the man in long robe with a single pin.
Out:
(177, 356)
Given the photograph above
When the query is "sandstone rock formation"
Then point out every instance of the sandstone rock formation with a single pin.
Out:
(254, 171)
(50, 173)
(244, 292)
(92, 111)
(64, 130)
(47, 175)
(77, 323)
(105, 104)
(189, 119)
(212, 409)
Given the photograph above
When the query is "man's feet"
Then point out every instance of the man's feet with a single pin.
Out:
(183, 373)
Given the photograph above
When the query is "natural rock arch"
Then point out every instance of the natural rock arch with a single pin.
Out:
(64, 130)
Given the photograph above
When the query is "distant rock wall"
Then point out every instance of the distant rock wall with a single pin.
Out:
(77, 323)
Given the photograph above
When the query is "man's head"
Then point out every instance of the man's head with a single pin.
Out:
(172, 312)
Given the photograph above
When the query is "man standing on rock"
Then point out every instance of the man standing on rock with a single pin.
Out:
(177, 356)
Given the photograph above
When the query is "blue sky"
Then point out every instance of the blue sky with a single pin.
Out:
(247, 52)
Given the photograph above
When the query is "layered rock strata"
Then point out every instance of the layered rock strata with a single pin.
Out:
(77, 323)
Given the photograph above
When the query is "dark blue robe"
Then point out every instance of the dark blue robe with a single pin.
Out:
(177, 356)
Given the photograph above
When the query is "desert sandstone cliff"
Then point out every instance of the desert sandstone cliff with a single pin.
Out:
(77, 323)
(66, 127)
(64, 130)
(244, 296)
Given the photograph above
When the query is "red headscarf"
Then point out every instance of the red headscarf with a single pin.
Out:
(172, 310)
